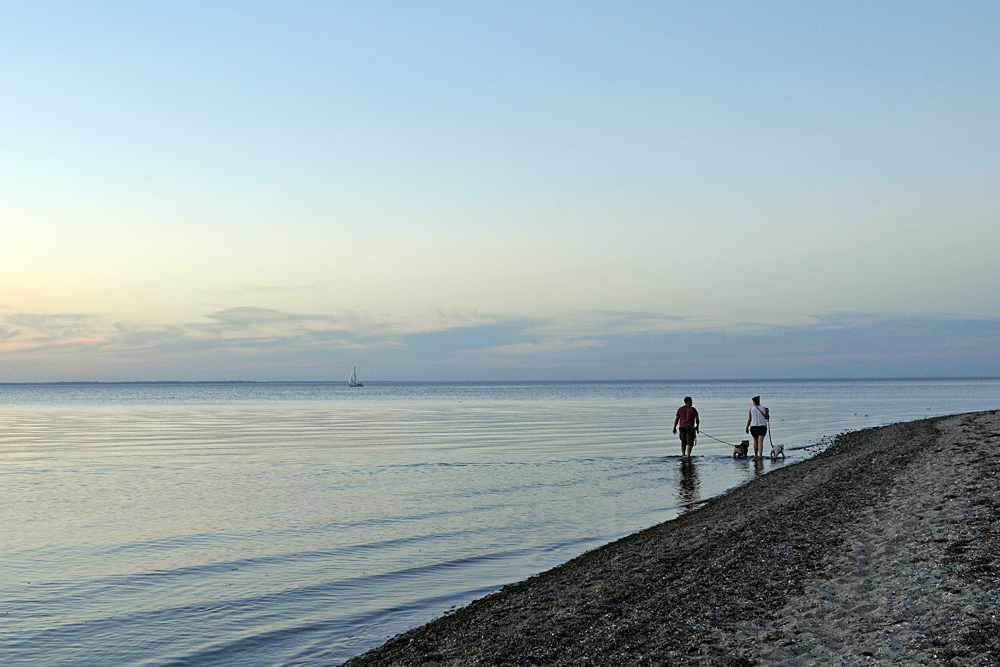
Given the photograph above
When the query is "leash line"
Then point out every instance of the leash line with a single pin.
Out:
(717, 439)
(787, 449)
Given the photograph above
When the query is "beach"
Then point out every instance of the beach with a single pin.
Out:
(275, 524)
(880, 550)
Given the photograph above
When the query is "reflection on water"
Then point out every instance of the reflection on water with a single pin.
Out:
(758, 467)
(688, 485)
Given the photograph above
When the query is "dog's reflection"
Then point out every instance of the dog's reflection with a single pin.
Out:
(688, 485)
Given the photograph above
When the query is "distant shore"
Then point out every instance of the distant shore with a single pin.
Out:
(883, 549)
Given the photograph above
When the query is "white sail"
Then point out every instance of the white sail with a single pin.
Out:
(354, 379)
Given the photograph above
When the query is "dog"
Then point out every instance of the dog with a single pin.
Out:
(740, 450)
(776, 451)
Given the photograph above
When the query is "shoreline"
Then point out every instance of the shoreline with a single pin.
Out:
(881, 549)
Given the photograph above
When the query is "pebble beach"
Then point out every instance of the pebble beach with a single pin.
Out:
(881, 550)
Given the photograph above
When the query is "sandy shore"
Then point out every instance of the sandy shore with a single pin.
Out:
(885, 549)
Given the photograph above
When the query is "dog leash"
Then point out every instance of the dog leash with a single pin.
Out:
(787, 449)
(717, 439)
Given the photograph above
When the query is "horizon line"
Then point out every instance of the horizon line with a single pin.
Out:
(594, 381)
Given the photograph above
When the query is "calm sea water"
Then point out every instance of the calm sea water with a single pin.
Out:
(300, 524)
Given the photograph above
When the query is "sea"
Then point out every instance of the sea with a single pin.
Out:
(303, 523)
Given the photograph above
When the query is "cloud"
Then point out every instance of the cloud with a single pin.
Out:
(263, 323)
(477, 337)
(258, 343)
(7, 334)
(643, 346)
(620, 321)
(52, 326)
(842, 345)
(245, 316)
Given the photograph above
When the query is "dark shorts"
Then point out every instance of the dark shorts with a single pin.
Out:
(687, 435)
(758, 430)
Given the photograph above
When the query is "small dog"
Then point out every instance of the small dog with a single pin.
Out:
(776, 451)
(740, 450)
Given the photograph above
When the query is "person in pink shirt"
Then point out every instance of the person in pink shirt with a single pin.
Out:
(688, 421)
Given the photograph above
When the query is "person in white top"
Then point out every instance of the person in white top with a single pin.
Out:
(757, 426)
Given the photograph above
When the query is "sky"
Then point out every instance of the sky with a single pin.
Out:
(498, 191)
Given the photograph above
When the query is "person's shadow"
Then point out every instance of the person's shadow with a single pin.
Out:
(688, 485)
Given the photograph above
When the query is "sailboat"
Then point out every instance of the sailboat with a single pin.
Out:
(354, 379)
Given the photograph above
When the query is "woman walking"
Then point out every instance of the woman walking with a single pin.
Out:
(757, 426)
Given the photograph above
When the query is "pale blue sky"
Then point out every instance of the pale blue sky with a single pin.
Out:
(512, 191)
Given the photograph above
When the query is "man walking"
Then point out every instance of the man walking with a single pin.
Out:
(688, 420)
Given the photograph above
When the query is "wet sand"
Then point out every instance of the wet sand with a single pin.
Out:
(884, 549)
